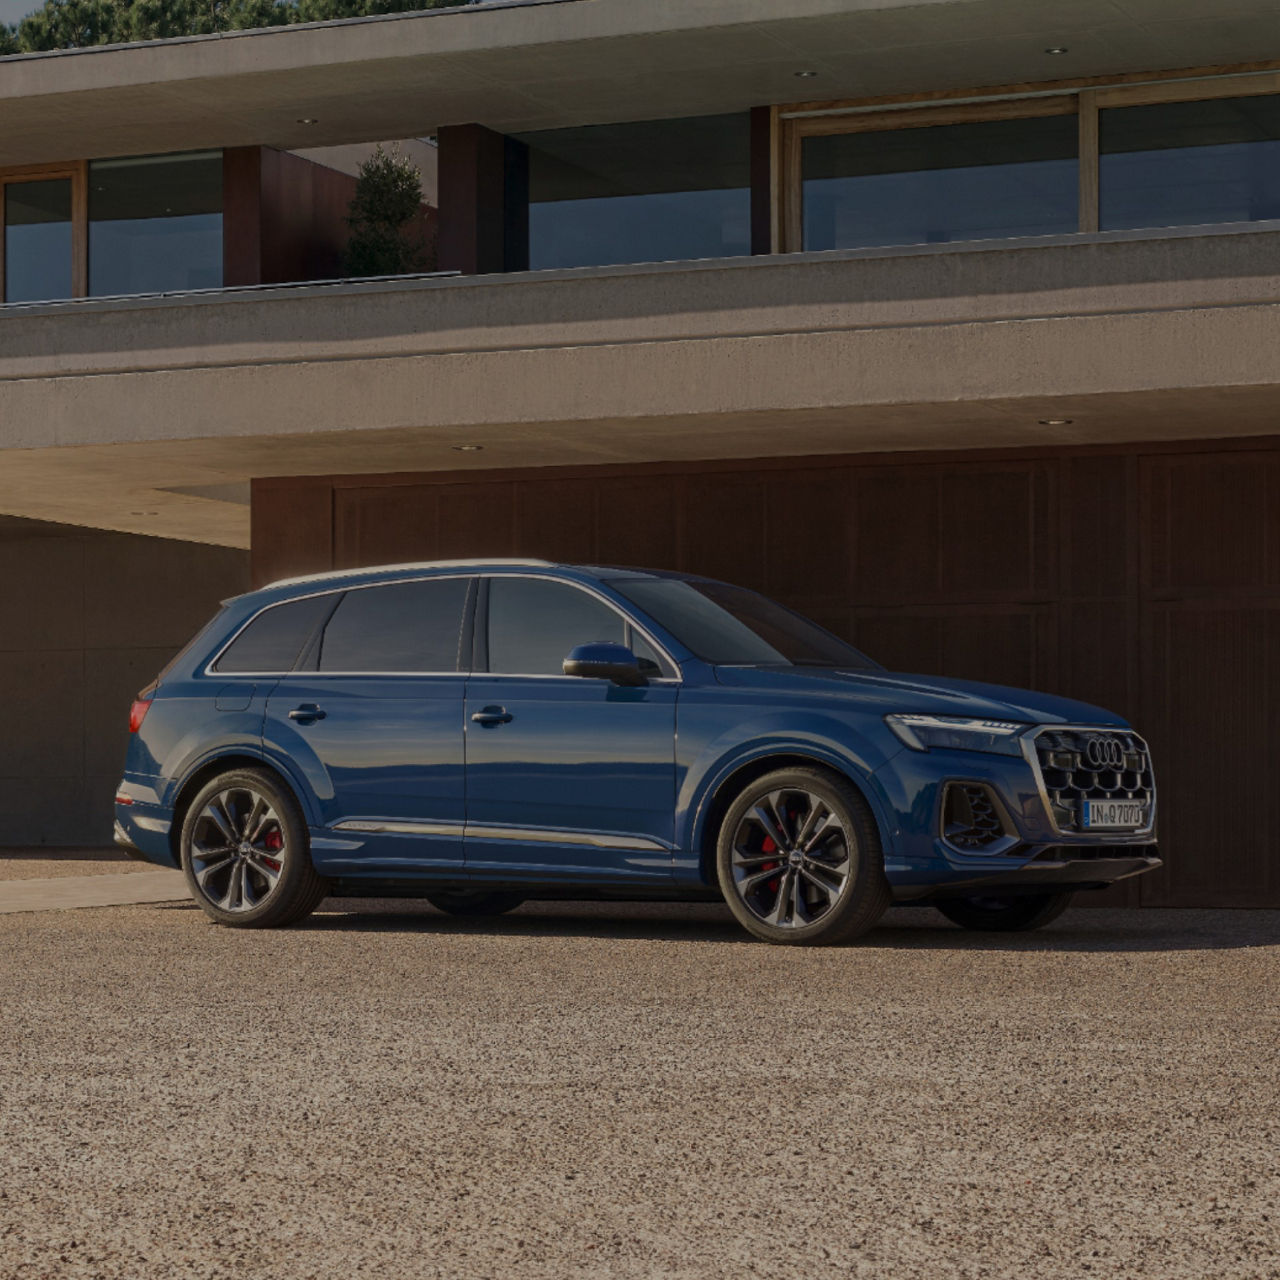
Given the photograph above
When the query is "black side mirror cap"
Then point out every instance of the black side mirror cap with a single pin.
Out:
(601, 661)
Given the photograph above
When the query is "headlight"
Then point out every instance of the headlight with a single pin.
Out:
(958, 733)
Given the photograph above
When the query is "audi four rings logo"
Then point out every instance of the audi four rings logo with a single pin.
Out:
(1104, 753)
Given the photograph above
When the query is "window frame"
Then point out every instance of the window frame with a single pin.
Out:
(480, 651)
(77, 171)
(791, 124)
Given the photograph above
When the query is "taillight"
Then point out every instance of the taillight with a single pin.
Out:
(141, 705)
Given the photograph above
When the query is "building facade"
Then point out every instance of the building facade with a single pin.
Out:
(950, 323)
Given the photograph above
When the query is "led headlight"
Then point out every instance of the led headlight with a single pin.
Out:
(957, 733)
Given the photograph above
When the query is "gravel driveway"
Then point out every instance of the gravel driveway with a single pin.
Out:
(637, 1092)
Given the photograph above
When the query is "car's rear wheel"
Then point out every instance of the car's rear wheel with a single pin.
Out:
(1010, 914)
(799, 859)
(468, 902)
(245, 852)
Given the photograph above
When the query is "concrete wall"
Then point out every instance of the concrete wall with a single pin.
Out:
(86, 620)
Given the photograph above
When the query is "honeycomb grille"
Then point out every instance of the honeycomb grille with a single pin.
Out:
(1071, 773)
(970, 818)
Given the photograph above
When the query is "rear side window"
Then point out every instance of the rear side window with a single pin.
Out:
(270, 644)
(401, 627)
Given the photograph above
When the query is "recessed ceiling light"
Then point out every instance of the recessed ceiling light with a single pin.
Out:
(1056, 49)
(805, 75)
(144, 513)
(1056, 422)
(308, 120)
(468, 448)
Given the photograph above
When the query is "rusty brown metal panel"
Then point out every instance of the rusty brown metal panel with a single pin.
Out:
(291, 527)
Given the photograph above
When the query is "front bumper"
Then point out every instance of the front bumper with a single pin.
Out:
(1041, 875)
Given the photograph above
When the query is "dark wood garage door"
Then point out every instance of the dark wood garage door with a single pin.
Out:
(1144, 580)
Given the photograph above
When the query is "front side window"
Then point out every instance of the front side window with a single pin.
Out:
(155, 224)
(270, 644)
(731, 626)
(402, 627)
(647, 191)
(940, 183)
(534, 623)
(37, 240)
(1187, 163)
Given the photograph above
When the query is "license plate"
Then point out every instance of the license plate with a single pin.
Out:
(1114, 814)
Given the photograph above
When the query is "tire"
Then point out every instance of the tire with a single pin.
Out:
(995, 914)
(246, 853)
(478, 902)
(829, 888)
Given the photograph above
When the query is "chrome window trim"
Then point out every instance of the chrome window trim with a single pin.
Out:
(1028, 742)
(210, 666)
(661, 649)
(480, 831)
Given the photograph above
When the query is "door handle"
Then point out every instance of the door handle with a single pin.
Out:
(307, 713)
(492, 716)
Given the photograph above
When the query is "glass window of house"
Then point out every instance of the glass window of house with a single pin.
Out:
(652, 191)
(155, 224)
(1186, 163)
(37, 240)
(934, 184)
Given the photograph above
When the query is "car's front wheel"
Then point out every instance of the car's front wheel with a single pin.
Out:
(1012, 914)
(799, 859)
(245, 852)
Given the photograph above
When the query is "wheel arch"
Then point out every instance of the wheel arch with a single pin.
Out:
(726, 790)
(190, 788)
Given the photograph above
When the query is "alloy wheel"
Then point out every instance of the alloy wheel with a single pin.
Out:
(790, 859)
(238, 849)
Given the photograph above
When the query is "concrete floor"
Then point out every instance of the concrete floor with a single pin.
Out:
(636, 1091)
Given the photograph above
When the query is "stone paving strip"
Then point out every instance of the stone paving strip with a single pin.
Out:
(117, 890)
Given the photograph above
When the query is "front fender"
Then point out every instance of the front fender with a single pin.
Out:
(713, 758)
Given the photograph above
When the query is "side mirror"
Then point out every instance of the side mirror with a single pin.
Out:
(605, 662)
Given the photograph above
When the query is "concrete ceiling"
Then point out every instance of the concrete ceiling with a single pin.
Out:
(563, 62)
(194, 490)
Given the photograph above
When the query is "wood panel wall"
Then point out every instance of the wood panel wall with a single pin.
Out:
(1145, 580)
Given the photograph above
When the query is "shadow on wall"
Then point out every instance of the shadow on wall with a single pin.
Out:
(89, 618)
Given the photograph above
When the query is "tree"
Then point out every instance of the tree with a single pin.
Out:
(384, 218)
(79, 24)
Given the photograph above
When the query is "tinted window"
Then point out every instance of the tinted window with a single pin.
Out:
(644, 191)
(734, 626)
(940, 183)
(273, 640)
(534, 623)
(155, 223)
(37, 240)
(1185, 163)
(404, 626)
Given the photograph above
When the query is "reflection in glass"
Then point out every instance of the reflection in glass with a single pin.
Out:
(648, 191)
(935, 184)
(37, 240)
(1185, 163)
(155, 224)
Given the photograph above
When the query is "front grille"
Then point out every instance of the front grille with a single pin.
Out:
(1071, 773)
(970, 819)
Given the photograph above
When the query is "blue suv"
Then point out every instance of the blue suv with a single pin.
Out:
(478, 734)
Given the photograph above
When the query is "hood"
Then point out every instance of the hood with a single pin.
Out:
(884, 692)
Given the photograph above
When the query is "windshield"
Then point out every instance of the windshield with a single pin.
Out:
(731, 626)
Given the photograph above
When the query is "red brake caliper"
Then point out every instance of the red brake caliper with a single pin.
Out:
(273, 842)
(769, 847)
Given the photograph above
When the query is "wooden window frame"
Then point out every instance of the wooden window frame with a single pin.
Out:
(78, 173)
(793, 123)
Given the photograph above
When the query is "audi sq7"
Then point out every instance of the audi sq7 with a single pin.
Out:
(479, 734)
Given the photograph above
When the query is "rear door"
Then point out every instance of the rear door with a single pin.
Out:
(567, 778)
(373, 718)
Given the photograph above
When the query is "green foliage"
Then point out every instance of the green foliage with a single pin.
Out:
(78, 24)
(383, 217)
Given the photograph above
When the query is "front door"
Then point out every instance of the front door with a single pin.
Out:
(376, 725)
(567, 778)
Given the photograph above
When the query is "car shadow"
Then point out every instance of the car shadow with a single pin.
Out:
(1090, 929)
